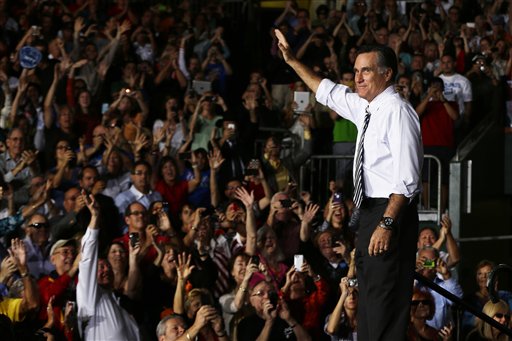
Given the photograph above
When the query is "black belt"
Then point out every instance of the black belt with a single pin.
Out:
(373, 202)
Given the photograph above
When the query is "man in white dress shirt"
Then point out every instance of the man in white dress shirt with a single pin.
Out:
(100, 315)
(391, 168)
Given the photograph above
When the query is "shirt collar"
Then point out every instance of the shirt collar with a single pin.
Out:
(138, 195)
(380, 99)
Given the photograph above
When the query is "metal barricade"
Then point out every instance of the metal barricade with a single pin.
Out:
(316, 173)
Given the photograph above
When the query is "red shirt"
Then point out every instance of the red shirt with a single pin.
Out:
(50, 286)
(176, 195)
(151, 253)
(437, 126)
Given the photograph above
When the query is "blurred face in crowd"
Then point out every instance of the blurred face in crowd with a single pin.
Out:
(238, 271)
(91, 52)
(114, 164)
(447, 65)
(105, 274)
(347, 79)
(259, 296)
(140, 178)
(174, 328)
(168, 261)
(282, 213)
(38, 230)
(63, 258)
(136, 220)
(427, 237)
(430, 51)
(325, 245)
(88, 179)
(272, 149)
(428, 254)
(417, 63)
(117, 257)
(482, 275)
(371, 79)
(65, 118)
(16, 143)
(36, 183)
(186, 217)
(70, 199)
(352, 299)
(268, 244)
(421, 305)
(231, 188)
(84, 99)
(169, 172)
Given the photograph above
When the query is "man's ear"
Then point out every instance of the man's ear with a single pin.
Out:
(388, 73)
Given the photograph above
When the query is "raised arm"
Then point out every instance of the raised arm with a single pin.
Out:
(184, 270)
(30, 297)
(250, 222)
(311, 79)
(307, 218)
(333, 322)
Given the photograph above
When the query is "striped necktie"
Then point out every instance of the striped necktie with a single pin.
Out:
(358, 177)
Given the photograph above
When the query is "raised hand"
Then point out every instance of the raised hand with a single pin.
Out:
(7, 269)
(183, 266)
(215, 159)
(18, 252)
(284, 46)
(91, 204)
(244, 196)
(309, 213)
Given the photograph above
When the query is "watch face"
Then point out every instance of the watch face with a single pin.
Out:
(388, 221)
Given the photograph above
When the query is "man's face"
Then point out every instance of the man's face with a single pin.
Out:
(325, 245)
(16, 143)
(65, 118)
(348, 79)
(370, 79)
(430, 255)
(38, 230)
(70, 199)
(105, 274)
(426, 238)
(136, 220)
(174, 328)
(447, 65)
(88, 179)
(63, 259)
(140, 178)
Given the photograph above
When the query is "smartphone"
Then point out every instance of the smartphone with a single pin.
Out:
(134, 238)
(104, 107)
(165, 206)
(352, 282)
(273, 298)
(251, 171)
(286, 203)
(429, 264)
(255, 260)
(302, 100)
(470, 25)
(337, 198)
(200, 87)
(231, 126)
(185, 156)
(298, 260)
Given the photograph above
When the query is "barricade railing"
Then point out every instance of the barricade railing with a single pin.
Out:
(316, 173)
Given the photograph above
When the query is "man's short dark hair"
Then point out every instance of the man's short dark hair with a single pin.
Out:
(84, 168)
(141, 162)
(386, 57)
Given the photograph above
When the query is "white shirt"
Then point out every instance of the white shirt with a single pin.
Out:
(393, 151)
(99, 313)
(457, 88)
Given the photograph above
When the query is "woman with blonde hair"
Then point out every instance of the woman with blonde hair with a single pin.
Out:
(500, 312)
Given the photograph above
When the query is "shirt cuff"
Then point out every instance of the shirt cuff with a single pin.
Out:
(324, 89)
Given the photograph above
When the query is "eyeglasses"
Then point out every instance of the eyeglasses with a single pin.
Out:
(65, 252)
(500, 316)
(137, 213)
(140, 173)
(424, 302)
(39, 225)
(260, 293)
(64, 147)
(232, 188)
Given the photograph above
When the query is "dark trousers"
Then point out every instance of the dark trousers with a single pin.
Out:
(385, 281)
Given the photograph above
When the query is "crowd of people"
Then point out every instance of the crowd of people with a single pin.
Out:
(135, 206)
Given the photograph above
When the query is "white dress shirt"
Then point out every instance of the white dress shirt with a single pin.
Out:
(100, 317)
(393, 151)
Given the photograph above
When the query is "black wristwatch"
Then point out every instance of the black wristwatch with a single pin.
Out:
(387, 223)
